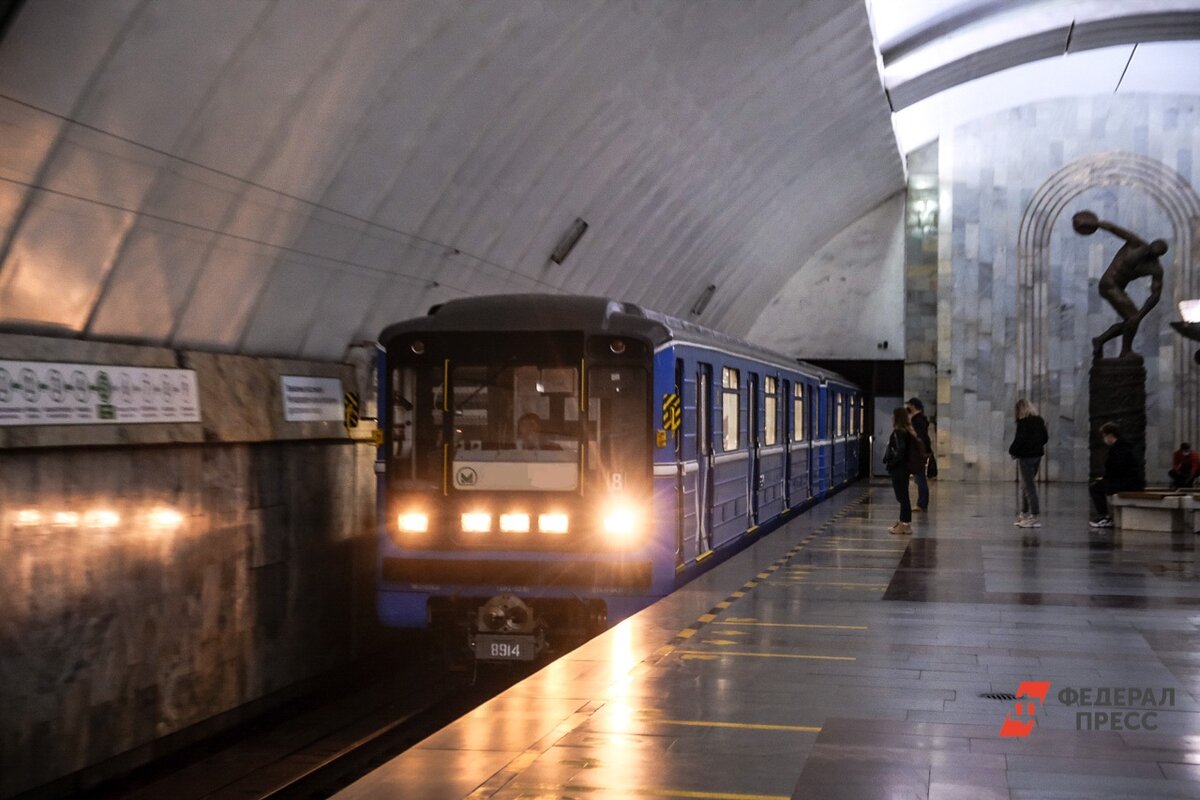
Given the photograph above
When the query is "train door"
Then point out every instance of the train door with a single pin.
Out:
(834, 437)
(813, 405)
(788, 428)
(754, 482)
(680, 477)
(704, 458)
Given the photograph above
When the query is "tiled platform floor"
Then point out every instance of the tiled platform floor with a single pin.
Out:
(833, 660)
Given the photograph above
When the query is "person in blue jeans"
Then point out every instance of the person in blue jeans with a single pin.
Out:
(920, 425)
(1027, 448)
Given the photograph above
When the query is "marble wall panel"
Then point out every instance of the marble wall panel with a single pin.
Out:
(113, 637)
(989, 172)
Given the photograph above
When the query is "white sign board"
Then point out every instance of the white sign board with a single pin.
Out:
(311, 399)
(51, 393)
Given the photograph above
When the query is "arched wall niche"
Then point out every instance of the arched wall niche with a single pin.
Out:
(1172, 378)
(1017, 299)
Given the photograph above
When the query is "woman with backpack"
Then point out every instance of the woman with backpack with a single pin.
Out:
(905, 455)
(1028, 447)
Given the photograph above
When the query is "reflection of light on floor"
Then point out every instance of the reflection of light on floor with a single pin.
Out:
(28, 517)
(622, 649)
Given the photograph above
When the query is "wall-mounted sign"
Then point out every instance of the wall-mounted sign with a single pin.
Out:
(52, 393)
(311, 399)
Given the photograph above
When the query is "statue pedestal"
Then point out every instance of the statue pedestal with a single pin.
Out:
(1116, 393)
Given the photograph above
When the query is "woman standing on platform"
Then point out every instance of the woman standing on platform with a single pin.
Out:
(1028, 447)
(904, 450)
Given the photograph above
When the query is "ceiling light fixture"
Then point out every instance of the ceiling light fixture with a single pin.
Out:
(702, 300)
(567, 243)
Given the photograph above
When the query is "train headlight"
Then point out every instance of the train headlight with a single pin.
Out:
(476, 522)
(514, 523)
(552, 523)
(620, 522)
(413, 522)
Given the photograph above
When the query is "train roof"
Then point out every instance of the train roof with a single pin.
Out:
(552, 312)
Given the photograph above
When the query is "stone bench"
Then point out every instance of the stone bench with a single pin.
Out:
(1162, 511)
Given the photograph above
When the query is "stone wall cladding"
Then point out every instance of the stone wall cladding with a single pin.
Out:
(990, 170)
(112, 638)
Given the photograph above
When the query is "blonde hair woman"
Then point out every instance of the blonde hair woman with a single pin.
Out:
(1028, 447)
(904, 453)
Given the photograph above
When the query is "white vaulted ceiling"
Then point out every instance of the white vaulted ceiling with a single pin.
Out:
(285, 177)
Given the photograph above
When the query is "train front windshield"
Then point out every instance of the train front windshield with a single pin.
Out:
(517, 427)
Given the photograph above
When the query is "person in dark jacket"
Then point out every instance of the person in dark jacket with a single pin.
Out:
(904, 454)
(1028, 447)
(1122, 473)
(920, 426)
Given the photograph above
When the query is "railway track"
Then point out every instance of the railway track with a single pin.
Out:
(322, 746)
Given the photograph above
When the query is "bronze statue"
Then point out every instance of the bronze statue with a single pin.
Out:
(1136, 259)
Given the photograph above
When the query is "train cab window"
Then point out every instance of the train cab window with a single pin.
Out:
(798, 412)
(516, 428)
(771, 410)
(731, 438)
(417, 400)
(618, 428)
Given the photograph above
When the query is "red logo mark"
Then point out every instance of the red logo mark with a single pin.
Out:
(1014, 726)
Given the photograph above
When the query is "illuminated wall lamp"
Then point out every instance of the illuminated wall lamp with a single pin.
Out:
(1189, 328)
(567, 243)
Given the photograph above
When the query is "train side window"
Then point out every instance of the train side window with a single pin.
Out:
(798, 412)
(771, 410)
(840, 403)
(730, 409)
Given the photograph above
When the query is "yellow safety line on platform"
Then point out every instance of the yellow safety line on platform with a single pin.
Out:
(716, 653)
(609, 791)
(699, 723)
(872, 586)
(806, 567)
(797, 625)
(891, 550)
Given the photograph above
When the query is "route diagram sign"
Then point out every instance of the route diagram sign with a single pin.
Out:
(52, 393)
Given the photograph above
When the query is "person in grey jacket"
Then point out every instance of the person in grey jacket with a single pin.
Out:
(1028, 447)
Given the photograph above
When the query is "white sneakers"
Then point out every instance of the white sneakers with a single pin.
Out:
(1103, 522)
(1030, 521)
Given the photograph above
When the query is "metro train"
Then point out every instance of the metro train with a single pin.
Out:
(552, 464)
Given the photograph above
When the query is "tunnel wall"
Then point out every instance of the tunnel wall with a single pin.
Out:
(113, 638)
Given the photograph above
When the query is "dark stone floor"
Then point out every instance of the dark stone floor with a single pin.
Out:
(833, 660)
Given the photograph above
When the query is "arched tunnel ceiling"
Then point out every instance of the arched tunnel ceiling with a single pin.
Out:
(285, 177)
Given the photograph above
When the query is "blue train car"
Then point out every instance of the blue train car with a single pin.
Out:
(553, 463)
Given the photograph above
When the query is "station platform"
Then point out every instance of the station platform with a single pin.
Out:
(834, 660)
